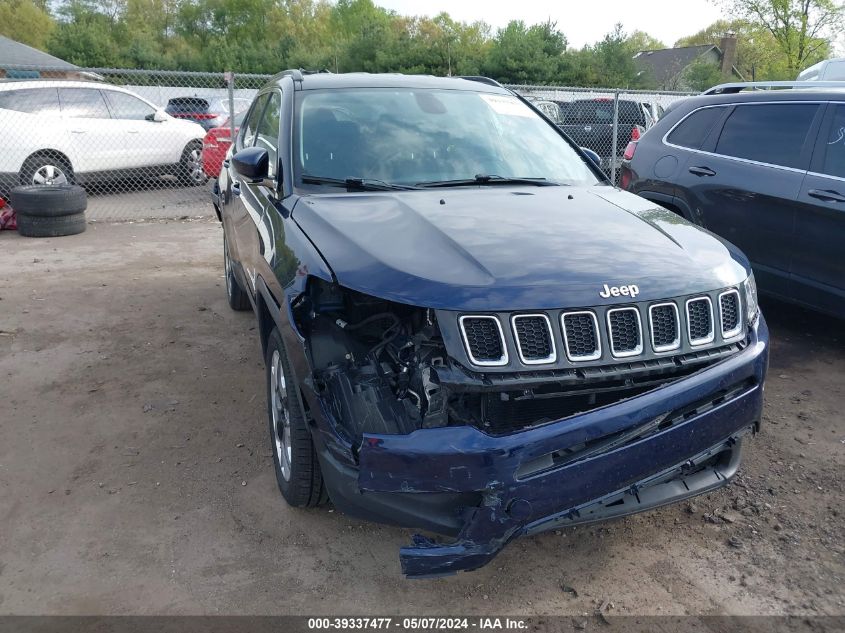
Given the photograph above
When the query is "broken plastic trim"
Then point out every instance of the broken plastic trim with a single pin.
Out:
(427, 559)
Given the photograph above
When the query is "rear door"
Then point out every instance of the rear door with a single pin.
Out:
(818, 266)
(743, 184)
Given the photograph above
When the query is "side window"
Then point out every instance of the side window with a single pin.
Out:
(268, 130)
(83, 103)
(693, 130)
(31, 100)
(247, 136)
(834, 145)
(770, 133)
(124, 106)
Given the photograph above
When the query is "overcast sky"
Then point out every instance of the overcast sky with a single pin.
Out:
(583, 22)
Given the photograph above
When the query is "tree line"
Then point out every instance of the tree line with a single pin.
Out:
(776, 39)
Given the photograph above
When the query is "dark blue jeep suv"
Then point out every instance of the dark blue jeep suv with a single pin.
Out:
(466, 328)
(763, 169)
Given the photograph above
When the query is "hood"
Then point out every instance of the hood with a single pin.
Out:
(513, 248)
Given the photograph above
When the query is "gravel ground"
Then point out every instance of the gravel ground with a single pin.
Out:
(136, 478)
(145, 199)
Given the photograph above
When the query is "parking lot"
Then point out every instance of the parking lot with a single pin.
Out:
(136, 476)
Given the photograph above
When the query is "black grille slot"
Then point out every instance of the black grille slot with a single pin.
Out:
(700, 320)
(534, 336)
(484, 340)
(582, 342)
(625, 336)
(664, 326)
(729, 306)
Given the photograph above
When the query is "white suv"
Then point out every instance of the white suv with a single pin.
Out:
(54, 132)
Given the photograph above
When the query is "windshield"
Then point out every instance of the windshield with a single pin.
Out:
(409, 137)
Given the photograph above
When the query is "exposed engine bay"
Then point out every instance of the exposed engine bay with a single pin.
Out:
(384, 369)
(375, 361)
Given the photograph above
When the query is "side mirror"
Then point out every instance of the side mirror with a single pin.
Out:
(159, 116)
(253, 163)
(592, 156)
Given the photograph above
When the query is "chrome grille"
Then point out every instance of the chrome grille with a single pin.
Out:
(484, 341)
(534, 338)
(729, 313)
(581, 336)
(665, 327)
(625, 332)
(700, 320)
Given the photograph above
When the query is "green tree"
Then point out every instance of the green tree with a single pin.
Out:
(613, 60)
(526, 54)
(88, 33)
(701, 75)
(802, 29)
(26, 21)
(757, 53)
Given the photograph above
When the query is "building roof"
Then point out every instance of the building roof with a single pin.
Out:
(14, 53)
(664, 64)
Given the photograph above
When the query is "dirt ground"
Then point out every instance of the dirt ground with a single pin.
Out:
(136, 478)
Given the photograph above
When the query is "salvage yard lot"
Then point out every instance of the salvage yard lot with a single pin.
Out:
(136, 477)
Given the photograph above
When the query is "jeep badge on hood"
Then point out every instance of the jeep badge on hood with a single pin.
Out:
(631, 290)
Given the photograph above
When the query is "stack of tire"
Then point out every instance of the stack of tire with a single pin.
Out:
(49, 210)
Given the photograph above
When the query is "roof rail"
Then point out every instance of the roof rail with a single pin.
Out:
(733, 88)
(293, 73)
(481, 79)
(298, 74)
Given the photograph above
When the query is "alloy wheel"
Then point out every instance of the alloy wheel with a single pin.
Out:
(193, 166)
(49, 175)
(281, 415)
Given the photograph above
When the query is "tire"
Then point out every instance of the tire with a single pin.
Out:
(47, 168)
(48, 201)
(294, 459)
(191, 173)
(238, 299)
(35, 226)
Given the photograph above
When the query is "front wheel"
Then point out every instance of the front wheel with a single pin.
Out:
(191, 172)
(294, 459)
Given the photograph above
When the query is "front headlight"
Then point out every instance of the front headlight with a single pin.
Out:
(751, 307)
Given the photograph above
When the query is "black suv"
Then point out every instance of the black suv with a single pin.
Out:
(589, 122)
(764, 169)
(466, 328)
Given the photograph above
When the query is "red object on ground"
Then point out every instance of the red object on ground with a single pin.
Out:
(8, 220)
(214, 147)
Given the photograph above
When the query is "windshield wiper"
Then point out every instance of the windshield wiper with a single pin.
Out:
(365, 184)
(489, 179)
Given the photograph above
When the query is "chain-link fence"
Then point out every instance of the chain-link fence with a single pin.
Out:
(104, 129)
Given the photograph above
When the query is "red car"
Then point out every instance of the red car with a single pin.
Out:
(216, 143)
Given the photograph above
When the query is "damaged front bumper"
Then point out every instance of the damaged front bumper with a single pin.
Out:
(669, 444)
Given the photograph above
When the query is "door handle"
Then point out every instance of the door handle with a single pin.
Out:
(236, 189)
(78, 131)
(702, 171)
(827, 196)
(132, 131)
